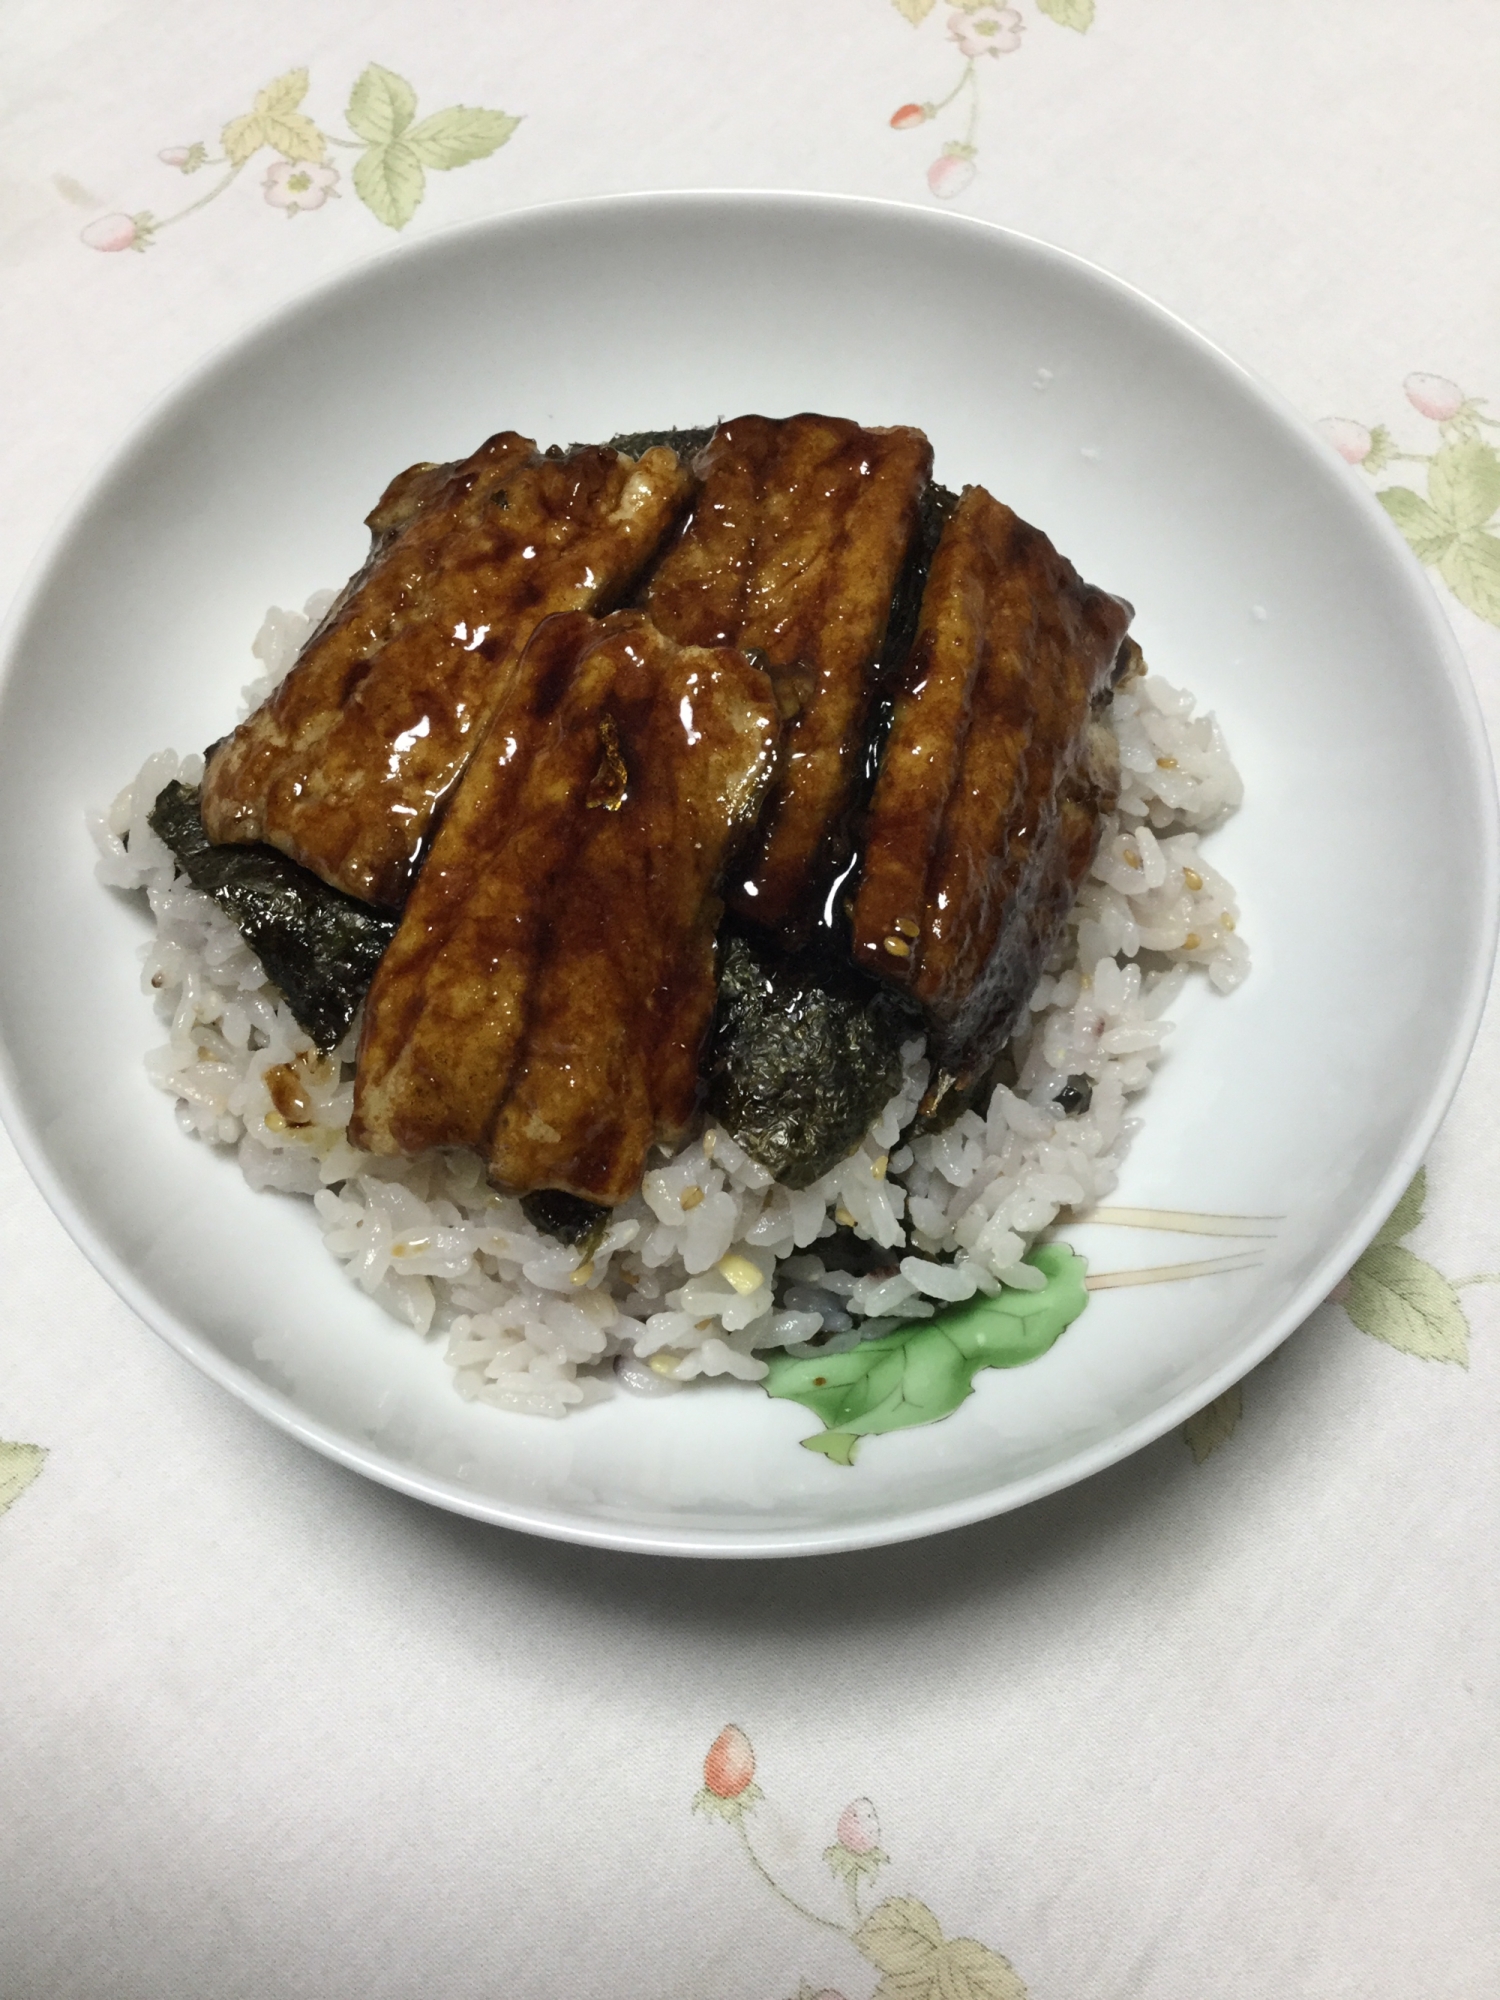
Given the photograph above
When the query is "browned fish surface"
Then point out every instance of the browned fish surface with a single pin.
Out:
(998, 767)
(346, 764)
(794, 549)
(548, 992)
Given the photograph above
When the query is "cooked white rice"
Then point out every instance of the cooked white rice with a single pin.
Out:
(712, 1263)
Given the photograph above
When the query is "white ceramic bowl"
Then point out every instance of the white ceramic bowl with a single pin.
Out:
(1264, 578)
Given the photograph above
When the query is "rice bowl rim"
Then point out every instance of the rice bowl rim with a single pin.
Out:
(1482, 864)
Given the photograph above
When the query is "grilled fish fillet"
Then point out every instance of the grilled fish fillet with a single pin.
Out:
(997, 771)
(346, 765)
(548, 992)
(793, 549)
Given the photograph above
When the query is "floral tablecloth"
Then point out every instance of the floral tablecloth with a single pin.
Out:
(1221, 1721)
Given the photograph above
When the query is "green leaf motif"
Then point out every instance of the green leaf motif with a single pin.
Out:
(853, 1869)
(1214, 1424)
(19, 1465)
(454, 137)
(922, 1371)
(1382, 444)
(381, 105)
(390, 182)
(284, 95)
(1428, 533)
(733, 1810)
(1470, 567)
(241, 137)
(293, 136)
(1403, 1301)
(275, 121)
(916, 11)
(1408, 1211)
(905, 1942)
(1463, 483)
(1077, 14)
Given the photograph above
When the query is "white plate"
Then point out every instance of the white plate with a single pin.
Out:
(1264, 578)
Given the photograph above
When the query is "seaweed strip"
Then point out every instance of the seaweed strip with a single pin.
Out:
(568, 1217)
(805, 1054)
(686, 443)
(318, 945)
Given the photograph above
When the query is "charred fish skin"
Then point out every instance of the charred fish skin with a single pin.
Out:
(796, 543)
(548, 994)
(346, 767)
(995, 776)
(319, 946)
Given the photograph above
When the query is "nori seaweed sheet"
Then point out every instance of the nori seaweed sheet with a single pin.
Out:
(318, 945)
(804, 1055)
(568, 1217)
(687, 444)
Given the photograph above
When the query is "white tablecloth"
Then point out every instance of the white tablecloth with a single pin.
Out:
(1219, 1722)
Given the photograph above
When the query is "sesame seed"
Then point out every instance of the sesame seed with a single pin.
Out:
(908, 927)
(1192, 942)
(898, 947)
(691, 1197)
(741, 1273)
(1193, 879)
(1166, 763)
(584, 1272)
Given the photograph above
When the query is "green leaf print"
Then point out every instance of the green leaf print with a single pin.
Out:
(1470, 566)
(916, 11)
(381, 105)
(19, 1465)
(1463, 483)
(922, 1371)
(1077, 14)
(905, 1942)
(1403, 1301)
(1429, 535)
(1408, 1211)
(454, 137)
(1214, 1424)
(390, 182)
(275, 121)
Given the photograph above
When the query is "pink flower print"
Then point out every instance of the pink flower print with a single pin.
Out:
(298, 184)
(1434, 396)
(987, 31)
(118, 232)
(856, 1858)
(858, 1828)
(951, 172)
(1350, 440)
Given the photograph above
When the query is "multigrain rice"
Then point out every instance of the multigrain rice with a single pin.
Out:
(712, 1264)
